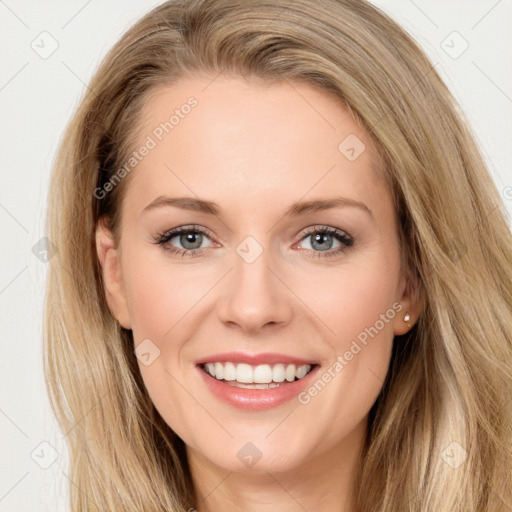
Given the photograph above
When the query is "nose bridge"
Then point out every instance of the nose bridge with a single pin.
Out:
(254, 296)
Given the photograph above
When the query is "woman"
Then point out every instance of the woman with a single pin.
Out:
(338, 336)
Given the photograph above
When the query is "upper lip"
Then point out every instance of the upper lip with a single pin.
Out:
(254, 359)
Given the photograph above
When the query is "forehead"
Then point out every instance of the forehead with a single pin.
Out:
(236, 140)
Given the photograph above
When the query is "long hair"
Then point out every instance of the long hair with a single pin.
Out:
(440, 431)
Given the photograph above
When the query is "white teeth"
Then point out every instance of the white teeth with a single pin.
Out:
(290, 372)
(254, 386)
(278, 373)
(261, 374)
(229, 371)
(219, 370)
(301, 372)
(210, 368)
(243, 373)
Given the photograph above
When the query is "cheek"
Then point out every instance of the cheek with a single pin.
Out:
(358, 305)
(352, 298)
(162, 301)
(159, 295)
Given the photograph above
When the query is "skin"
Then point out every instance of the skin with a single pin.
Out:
(254, 150)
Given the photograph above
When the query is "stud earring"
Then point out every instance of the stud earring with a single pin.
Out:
(407, 319)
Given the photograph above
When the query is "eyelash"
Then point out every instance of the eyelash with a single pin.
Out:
(163, 239)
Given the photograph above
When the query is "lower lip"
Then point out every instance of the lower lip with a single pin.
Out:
(257, 399)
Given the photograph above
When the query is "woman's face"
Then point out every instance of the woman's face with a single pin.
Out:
(289, 261)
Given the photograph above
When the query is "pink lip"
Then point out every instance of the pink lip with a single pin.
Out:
(254, 359)
(257, 399)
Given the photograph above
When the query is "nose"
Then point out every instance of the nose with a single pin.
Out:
(254, 296)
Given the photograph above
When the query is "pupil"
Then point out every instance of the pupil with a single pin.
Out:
(188, 238)
(320, 238)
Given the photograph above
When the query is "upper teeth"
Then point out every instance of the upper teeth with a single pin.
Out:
(261, 374)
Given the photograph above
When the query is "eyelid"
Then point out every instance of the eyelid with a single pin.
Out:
(324, 228)
(184, 229)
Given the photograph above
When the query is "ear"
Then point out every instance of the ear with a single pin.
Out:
(411, 304)
(109, 258)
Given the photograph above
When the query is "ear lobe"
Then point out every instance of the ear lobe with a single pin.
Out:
(412, 306)
(110, 263)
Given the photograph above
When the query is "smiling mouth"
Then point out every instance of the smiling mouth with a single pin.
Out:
(262, 376)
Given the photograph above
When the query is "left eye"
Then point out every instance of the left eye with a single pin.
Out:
(190, 238)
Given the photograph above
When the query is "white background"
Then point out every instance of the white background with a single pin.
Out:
(37, 98)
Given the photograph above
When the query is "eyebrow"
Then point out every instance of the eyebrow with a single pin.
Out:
(295, 210)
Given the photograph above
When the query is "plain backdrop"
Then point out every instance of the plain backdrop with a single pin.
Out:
(50, 50)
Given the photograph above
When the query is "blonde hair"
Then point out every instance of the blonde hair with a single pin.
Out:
(448, 390)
